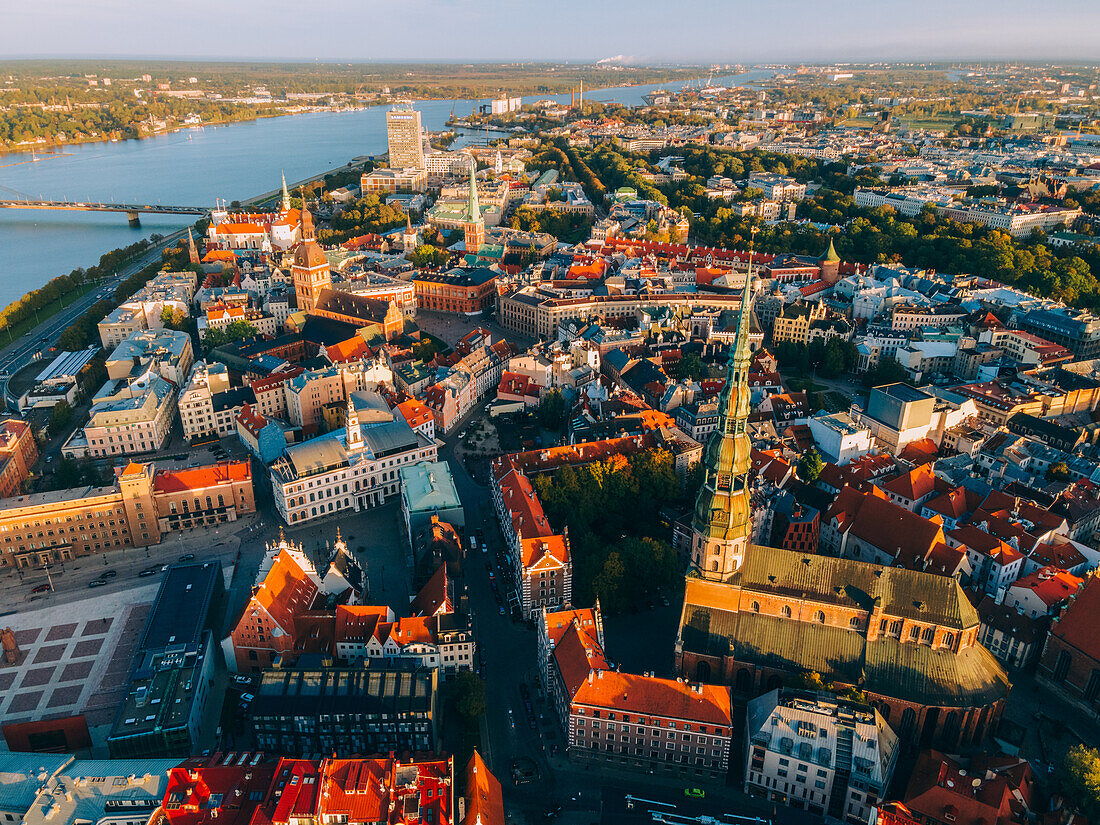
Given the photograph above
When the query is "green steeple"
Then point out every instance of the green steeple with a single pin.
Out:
(473, 208)
(830, 254)
(723, 510)
(286, 195)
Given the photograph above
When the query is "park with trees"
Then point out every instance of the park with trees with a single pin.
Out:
(620, 550)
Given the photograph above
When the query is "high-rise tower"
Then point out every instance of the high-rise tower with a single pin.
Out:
(474, 227)
(310, 270)
(406, 141)
(722, 523)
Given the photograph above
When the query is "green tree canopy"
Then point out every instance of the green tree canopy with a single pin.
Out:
(1080, 779)
(470, 696)
(810, 465)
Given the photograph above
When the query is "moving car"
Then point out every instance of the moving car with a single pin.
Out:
(42, 588)
(187, 557)
(108, 574)
(96, 583)
(148, 571)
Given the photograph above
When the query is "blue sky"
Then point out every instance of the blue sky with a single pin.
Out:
(696, 31)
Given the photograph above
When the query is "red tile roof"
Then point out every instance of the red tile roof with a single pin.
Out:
(202, 478)
(434, 597)
(917, 483)
(650, 696)
(1051, 585)
(484, 800)
(576, 654)
(940, 785)
(1078, 623)
(414, 412)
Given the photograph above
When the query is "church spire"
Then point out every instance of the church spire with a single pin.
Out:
(722, 523)
(192, 250)
(286, 196)
(473, 208)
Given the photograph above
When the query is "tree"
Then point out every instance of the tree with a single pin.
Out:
(172, 317)
(470, 696)
(690, 366)
(60, 418)
(552, 410)
(1058, 471)
(1080, 779)
(810, 465)
(67, 473)
(237, 331)
(427, 255)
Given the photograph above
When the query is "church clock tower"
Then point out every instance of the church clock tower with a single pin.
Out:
(310, 271)
(474, 227)
(722, 522)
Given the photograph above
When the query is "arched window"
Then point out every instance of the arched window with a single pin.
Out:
(819, 617)
(948, 639)
(786, 611)
(756, 607)
(855, 623)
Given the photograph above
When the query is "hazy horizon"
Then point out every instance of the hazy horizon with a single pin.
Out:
(640, 32)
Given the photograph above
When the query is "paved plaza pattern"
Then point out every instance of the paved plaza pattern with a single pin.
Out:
(75, 657)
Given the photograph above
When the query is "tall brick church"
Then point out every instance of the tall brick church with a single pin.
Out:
(310, 271)
(754, 617)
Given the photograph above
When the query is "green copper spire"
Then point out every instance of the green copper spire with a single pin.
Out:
(830, 254)
(472, 205)
(722, 522)
(286, 195)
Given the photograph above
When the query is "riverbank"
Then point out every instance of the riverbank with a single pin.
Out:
(543, 86)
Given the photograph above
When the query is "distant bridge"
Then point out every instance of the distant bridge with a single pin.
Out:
(132, 210)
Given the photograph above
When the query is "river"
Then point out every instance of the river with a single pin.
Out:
(194, 168)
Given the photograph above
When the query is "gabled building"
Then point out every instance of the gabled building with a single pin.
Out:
(868, 527)
(288, 612)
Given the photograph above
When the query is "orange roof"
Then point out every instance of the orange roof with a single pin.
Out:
(251, 420)
(414, 412)
(434, 597)
(558, 622)
(354, 347)
(484, 801)
(201, 478)
(358, 622)
(543, 552)
(1051, 585)
(650, 696)
(528, 518)
(920, 451)
(1077, 624)
(413, 630)
(917, 483)
(576, 655)
(886, 526)
(229, 228)
(286, 592)
(215, 255)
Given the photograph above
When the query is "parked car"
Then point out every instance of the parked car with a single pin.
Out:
(695, 793)
(187, 557)
(96, 583)
(524, 691)
(108, 574)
